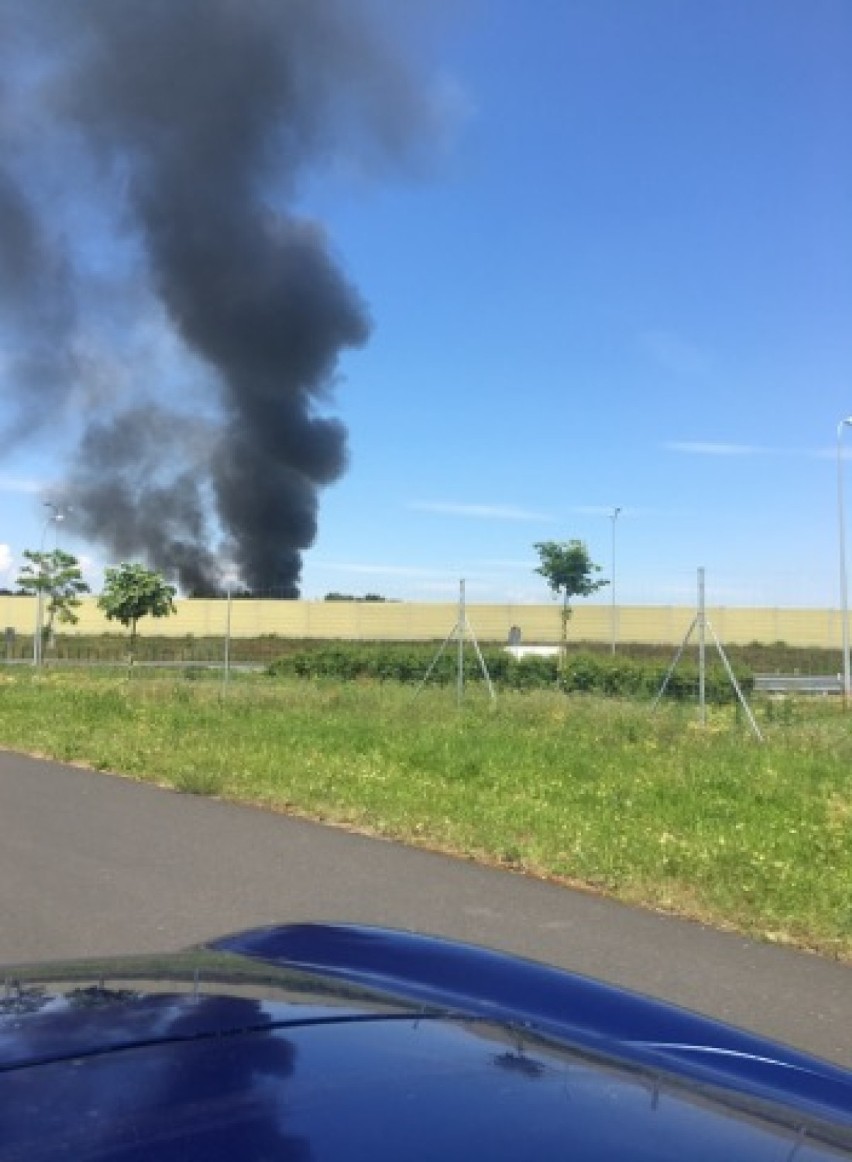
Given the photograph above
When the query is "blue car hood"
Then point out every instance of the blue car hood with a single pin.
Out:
(330, 1042)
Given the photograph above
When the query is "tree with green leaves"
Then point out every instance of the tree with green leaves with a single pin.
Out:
(56, 579)
(570, 572)
(132, 592)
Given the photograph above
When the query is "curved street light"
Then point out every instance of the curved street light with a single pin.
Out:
(844, 592)
(613, 516)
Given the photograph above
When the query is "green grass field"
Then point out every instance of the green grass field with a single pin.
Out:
(654, 809)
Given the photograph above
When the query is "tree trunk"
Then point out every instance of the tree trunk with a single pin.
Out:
(563, 645)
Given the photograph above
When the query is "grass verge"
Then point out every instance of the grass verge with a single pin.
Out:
(651, 809)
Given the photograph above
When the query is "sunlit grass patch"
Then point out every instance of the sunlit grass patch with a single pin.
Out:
(652, 808)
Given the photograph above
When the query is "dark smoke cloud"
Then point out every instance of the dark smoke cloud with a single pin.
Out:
(132, 492)
(36, 313)
(195, 120)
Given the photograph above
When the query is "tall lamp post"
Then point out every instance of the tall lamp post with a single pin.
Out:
(613, 516)
(229, 579)
(844, 592)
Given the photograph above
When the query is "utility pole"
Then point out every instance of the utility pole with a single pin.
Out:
(613, 614)
(844, 588)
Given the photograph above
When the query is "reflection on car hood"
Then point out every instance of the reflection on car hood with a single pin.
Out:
(323, 1042)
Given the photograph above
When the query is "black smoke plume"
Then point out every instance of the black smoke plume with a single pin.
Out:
(190, 126)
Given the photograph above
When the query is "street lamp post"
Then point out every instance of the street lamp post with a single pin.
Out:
(226, 669)
(229, 579)
(613, 517)
(844, 592)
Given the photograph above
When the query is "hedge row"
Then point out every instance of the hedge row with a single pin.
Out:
(582, 673)
(774, 658)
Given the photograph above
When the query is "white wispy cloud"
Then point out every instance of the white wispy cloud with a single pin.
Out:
(21, 484)
(600, 509)
(832, 453)
(479, 511)
(5, 560)
(706, 448)
(676, 354)
(362, 568)
(513, 563)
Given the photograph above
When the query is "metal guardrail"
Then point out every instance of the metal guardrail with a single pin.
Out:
(798, 683)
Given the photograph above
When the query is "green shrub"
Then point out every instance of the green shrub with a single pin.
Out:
(584, 672)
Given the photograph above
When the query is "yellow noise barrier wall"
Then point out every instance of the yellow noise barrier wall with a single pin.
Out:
(404, 621)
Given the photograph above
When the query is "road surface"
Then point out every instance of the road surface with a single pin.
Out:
(93, 864)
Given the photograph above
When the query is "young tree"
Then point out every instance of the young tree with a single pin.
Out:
(54, 578)
(132, 592)
(569, 570)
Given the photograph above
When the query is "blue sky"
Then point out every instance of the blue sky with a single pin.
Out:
(622, 277)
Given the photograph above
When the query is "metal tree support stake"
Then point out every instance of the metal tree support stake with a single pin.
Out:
(701, 622)
(844, 590)
(459, 631)
(226, 669)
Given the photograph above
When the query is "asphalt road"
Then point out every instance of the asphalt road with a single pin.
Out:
(92, 864)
